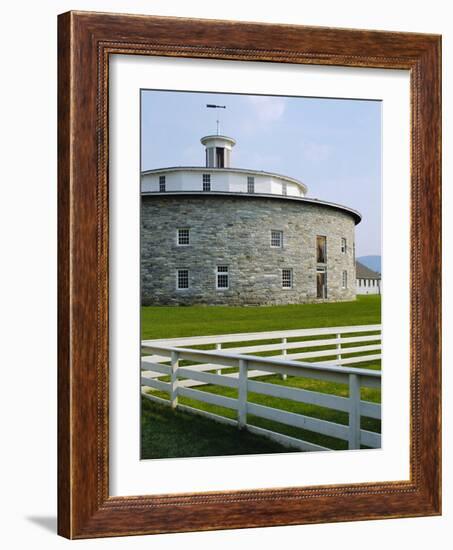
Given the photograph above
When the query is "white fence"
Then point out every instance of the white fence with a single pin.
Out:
(340, 346)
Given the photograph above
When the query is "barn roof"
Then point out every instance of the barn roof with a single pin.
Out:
(363, 272)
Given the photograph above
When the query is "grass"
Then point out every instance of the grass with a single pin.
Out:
(173, 322)
(167, 433)
(159, 322)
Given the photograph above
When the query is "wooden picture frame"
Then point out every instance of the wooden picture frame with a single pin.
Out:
(85, 41)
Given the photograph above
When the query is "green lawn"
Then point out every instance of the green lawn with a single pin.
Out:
(158, 322)
(167, 433)
(172, 322)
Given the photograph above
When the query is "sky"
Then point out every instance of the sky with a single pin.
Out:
(332, 145)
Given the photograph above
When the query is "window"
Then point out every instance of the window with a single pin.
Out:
(220, 157)
(250, 184)
(183, 236)
(344, 280)
(162, 188)
(222, 277)
(321, 249)
(182, 281)
(276, 238)
(284, 188)
(287, 278)
(343, 245)
(206, 182)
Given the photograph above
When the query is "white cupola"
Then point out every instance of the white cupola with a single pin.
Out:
(218, 151)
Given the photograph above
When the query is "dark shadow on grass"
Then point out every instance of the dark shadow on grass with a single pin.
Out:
(175, 434)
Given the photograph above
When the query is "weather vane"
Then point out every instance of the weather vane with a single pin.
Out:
(212, 106)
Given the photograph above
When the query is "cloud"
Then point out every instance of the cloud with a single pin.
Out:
(267, 109)
(258, 161)
(315, 152)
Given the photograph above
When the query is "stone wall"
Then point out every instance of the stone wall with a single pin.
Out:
(235, 231)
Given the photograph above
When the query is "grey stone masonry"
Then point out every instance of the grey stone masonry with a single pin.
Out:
(235, 232)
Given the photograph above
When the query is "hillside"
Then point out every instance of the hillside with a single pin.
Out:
(372, 262)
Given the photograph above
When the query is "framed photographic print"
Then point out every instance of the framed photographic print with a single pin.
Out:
(249, 275)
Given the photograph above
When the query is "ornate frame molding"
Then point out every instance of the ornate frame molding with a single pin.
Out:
(86, 40)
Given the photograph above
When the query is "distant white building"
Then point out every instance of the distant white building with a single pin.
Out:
(368, 281)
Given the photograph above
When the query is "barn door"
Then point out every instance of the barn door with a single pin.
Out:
(321, 283)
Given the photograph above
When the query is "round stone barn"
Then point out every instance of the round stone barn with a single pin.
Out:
(219, 235)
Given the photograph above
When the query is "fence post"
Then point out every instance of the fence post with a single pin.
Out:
(174, 379)
(218, 346)
(242, 395)
(338, 347)
(284, 352)
(354, 411)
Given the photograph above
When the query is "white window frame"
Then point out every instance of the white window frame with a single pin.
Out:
(162, 183)
(177, 279)
(344, 280)
(206, 182)
(178, 236)
(291, 281)
(280, 233)
(224, 272)
(343, 245)
(250, 184)
(284, 188)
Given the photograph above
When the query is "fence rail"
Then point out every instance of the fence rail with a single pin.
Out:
(207, 368)
(289, 342)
